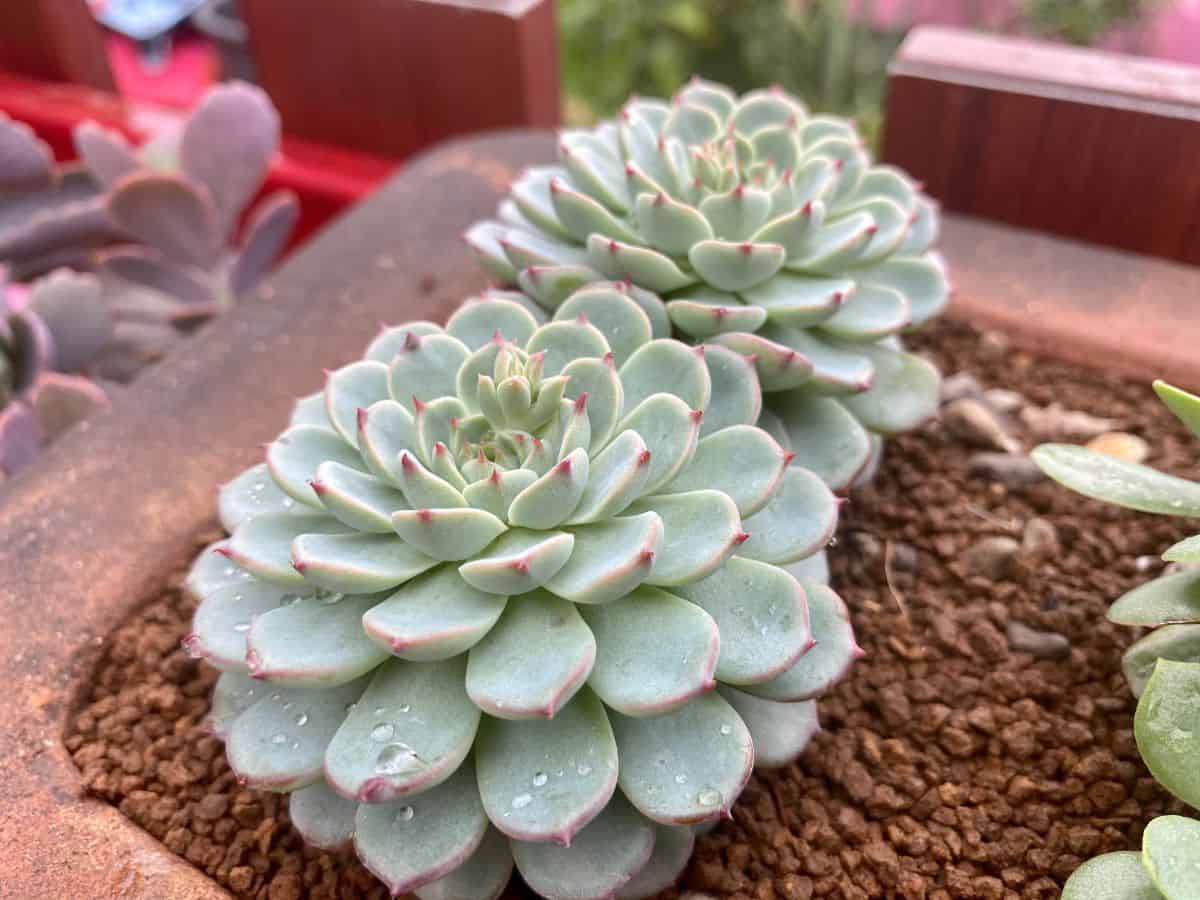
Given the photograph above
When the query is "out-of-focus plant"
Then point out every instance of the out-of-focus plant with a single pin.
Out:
(1082, 21)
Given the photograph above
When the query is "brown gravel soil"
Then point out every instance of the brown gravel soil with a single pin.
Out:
(951, 765)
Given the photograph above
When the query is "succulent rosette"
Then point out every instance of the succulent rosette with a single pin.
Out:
(517, 590)
(757, 227)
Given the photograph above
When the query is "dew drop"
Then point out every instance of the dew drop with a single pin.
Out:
(404, 814)
(259, 486)
(681, 778)
(584, 769)
(709, 797)
(379, 710)
(396, 758)
(726, 729)
(329, 598)
(405, 708)
(539, 779)
(302, 719)
(289, 599)
(295, 745)
(230, 570)
(521, 801)
(288, 502)
(833, 541)
(279, 738)
(383, 732)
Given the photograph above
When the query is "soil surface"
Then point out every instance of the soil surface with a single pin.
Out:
(981, 750)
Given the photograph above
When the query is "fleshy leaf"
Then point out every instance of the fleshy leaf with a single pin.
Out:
(1165, 600)
(611, 558)
(920, 280)
(475, 323)
(267, 233)
(669, 430)
(351, 388)
(1187, 550)
(823, 434)
(564, 342)
(645, 267)
(228, 607)
(411, 730)
(385, 430)
(687, 766)
(669, 225)
(534, 659)
(701, 316)
(1111, 876)
(357, 563)
(798, 520)
(294, 456)
(903, 395)
(447, 534)
(233, 694)
(617, 476)
(601, 859)
(798, 300)
(622, 322)
(324, 818)
(391, 340)
(417, 840)
(732, 266)
(779, 367)
(605, 395)
(277, 744)
(425, 368)
(518, 561)
(672, 850)
(742, 461)
(482, 877)
(550, 500)
(1170, 851)
(1177, 642)
(736, 398)
(354, 498)
(1167, 728)
(72, 308)
(1127, 484)
(1185, 406)
(263, 545)
(654, 651)
(249, 494)
(781, 731)
(545, 780)
(666, 366)
(702, 528)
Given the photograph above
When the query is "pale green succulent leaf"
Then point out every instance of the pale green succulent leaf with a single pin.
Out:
(921, 280)
(1187, 550)
(670, 226)
(263, 545)
(763, 617)
(903, 393)
(736, 214)
(639, 145)
(1111, 876)
(778, 145)
(416, 840)
(666, 366)
(800, 300)
(564, 342)
(495, 491)
(1171, 856)
(654, 651)
(534, 659)
(779, 367)
(233, 694)
(692, 124)
(685, 766)
(1167, 727)
(435, 428)
(293, 457)
(598, 379)
(278, 743)
(426, 368)
(742, 461)
(357, 563)
(476, 323)
(551, 285)
(482, 877)
(735, 398)
(780, 731)
(623, 323)
(391, 340)
(544, 780)
(672, 850)
(582, 217)
(481, 362)
(837, 370)
(813, 181)
(433, 617)
(422, 489)
(610, 559)
(410, 731)
(385, 430)
(797, 521)
(923, 232)
(602, 858)
(874, 460)
(1165, 600)
(324, 818)
(575, 427)
(1127, 484)
(869, 313)
(1185, 406)
(484, 240)
(351, 388)
(618, 474)
(249, 494)
(531, 194)
(528, 249)
(623, 261)
(357, 500)
(447, 534)
(825, 437)
(594, 168)
(763, 108)
(823, 665)
(714, 97)
(735, 266)
(702, 528)
(891, 222)
(703, 314)
(518, 561)
(811, 570)
(669, 430)
(227, 609)
(313, 640)
(310, 410)
(1176, 642)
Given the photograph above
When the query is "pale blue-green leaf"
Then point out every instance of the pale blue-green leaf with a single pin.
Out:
(534, 659)
(692, 124)
(921, 280)
(385, 430)
(1185, 406)
(903, 394)
(669, 429)
(417, 840)
(250, 494)
(564, 342)
(652, 305)
(611, 558)
(780, 731)
(735, 266)
(310, 410)
(618, 475)
(826, 663)
(391, 340)
(356, 499)
(448, 534)
(357, 563)
(836, 370)
(1167, 727)
(923, 232)
(686, 766)
(891, 224)
(779, 145)
(313, 640)
(640, 146)
(476, 323)
(666, 366)
(716, 98)
(779, 367)
(551, 285)
(518, 561)
(1177, 642)
(495, 491)
(644, 267)
(435, 425)
(233, 694)
(484, 240)
(434, 617)
(482, 877)
(226, 611)
(550, 499)
(811, 570)
(1125, 483)
(800, 300)
(263, 545)
(482, 361)
(654, 651)
(704, 313)
(411, 730)
(544, 780)
(761, 109)
(823, 434)
(813, 181)
(582, 217)
(702, 528)
(1165, 600)
(531, 195)
(735, 398)
(324, 818)
(742, 461)
(797, 521)
(762, 615)
(293, 458)
(622, 322)
(672, 850)
(1187, 550)
(874, 459)
(279, 742)
(736, 214)
(351, 388)
(869, 313)
(1171, 856)
(1112, 876)
(670, 226)
(594, 168)
(424, 490)
(598, 379)
(792, 227)
(426, 367)
(833, 246)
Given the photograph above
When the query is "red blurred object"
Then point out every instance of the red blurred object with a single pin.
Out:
(182, 78)
(326, 179)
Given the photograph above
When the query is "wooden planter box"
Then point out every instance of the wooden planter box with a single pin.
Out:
(96, 526)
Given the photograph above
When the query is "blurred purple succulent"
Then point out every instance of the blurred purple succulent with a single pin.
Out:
(161, 228)
(59, 330)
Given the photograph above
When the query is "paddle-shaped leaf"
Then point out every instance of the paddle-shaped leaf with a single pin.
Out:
(1170, 852)
(1177, 642)
(1167, 727)
(1127, 484)
(323, 817)
(780, 731)
(1169, 599)
(1113, 876)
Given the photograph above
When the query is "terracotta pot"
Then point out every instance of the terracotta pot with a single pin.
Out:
(97, 525)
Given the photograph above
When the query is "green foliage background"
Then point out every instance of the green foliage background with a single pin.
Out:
(614, 48)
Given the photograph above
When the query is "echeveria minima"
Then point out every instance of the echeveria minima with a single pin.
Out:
(521, 590)
(751, 224)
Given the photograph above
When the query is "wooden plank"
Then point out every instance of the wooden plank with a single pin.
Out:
(1083, 143)
(53, 40)
(392, 76)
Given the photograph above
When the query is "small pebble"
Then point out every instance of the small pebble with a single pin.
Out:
(1145, 563)
(971, 421)
(1054, 423)
(904, 557)
(1040, 644)
(959, 385)
(1003, 401)
(1121, 445)
(993, 345)
(1011, 470)
(1040, 539)
(992, 557)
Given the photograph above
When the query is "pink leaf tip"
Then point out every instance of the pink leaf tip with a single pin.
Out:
(696, 415)
(425, 515)
(412, 340)
(646, 558)
(746, 247)
(741, 537)
(581, 403)
(361, 415)
(644, 458)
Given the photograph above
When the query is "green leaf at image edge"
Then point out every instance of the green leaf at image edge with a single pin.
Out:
(1185, 406)
(1167, 728)
(1113, 876)
(1171, 855)
(1127, 484)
